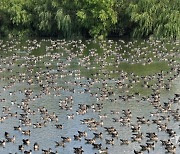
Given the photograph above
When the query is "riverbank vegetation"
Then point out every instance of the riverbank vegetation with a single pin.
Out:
(90, 18)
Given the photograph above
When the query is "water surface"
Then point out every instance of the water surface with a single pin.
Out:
(109, 76)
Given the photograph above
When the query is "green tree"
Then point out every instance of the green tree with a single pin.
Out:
(43, 17)
(155, 17)
(15, 15)
(123, 25)
(97, 16)
(50, 18)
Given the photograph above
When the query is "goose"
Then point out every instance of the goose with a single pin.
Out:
(77, 137)
(97, 145)
(3, 143)
(17, 128)
(103, 151)
(90, 141)
(28, 152)
(26, 141)
(21, 147)
(61, 143)
(66, 139)
(111, 141)
(78, 150)
(98, 135)
(36, 146)
(8, 139)
(124, 142)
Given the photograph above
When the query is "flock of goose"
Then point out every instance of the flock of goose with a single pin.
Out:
(59, 96)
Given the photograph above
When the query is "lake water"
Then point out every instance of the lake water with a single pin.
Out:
(49, 80)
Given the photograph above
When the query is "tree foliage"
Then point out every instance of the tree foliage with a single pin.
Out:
(160, 18)
(98, 18)
(97, 15)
